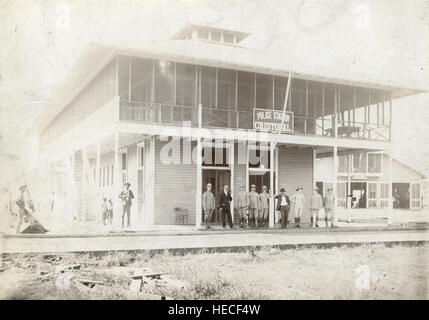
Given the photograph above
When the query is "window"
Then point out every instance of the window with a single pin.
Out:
(215, 36)
(124, 77)
(298, 99)
(208, 87)
(415, 196)
(141, 157)
(203, 34)
(359, 163)
(374, 162)
(343, 164)
(164, 82)
(246, 91)
(384, 195)
(228, 37)
(186, 85)
(215, 156)
(259, 157)
(341, 194)
(141, 79)
(329, 109)
(264, 91)
(104, 177)
(280, 85)
(372, 195)
(124, 161)
(226, 89)
(315, 99)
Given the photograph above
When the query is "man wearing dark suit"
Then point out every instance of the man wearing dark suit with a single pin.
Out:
(225, 207)
(126, 196)
(283, 205)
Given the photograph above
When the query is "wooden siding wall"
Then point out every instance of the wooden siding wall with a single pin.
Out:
(296, 170)
(175, 186)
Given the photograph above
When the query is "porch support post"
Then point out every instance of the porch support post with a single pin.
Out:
(314, 167)
(390, 203)
(97, 166)
(334, 181)
(272, 209)
(198, 200)
(349, 188)
(232, 157)
(84, 184)
(116, 178)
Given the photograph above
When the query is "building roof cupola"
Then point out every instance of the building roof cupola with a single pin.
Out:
(209, 33)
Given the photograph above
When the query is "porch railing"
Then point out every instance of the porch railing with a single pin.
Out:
(159, 113)
(164, 113)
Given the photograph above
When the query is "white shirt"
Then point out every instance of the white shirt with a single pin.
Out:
(284, 202)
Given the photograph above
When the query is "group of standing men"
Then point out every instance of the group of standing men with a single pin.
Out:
(253, 208)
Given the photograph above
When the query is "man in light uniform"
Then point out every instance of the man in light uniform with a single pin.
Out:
(253, 205)
(298, 200)
(329, 203)
(241, 205)
(264, 205)
(209, 204)
(316, 203)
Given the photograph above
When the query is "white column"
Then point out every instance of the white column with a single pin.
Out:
(198, 200)
(84, 185)
(271, 209)
(314, 167)
(231, 161)
(116, 180)
(334, 181)
(390, 203)
(97, 167)
(349, 188)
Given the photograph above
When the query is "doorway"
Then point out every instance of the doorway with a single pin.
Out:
(259, 179)
(218, 179)
(358, 192)
(401, 195)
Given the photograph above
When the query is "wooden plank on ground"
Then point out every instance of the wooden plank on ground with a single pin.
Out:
(135, 285)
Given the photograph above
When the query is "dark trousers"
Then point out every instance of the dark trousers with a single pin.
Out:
(226, 213)
(127, 210)
(284, 210)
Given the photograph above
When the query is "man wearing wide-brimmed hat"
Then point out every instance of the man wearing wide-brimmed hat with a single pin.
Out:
(329, 204)
(253, 206)
(283, 205)
(241, 204)
(209, 204)
(316, 203)
(298, 200)
(126, 196)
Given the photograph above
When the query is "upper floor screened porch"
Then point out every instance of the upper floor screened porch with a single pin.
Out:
(170, 93)
(166, 92)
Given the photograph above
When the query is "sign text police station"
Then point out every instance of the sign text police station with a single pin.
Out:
(271, 120)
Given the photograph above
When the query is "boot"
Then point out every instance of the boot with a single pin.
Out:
(299, 220)
(296, 222)
(317, 222)
(326, 221)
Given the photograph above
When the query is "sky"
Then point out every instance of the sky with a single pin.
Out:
(384, 41)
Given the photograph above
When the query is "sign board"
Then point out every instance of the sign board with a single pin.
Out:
(271, 120)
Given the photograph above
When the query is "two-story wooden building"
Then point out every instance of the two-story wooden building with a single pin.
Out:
(170, 116)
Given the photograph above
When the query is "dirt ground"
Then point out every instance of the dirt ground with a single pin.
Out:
(364, 272)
